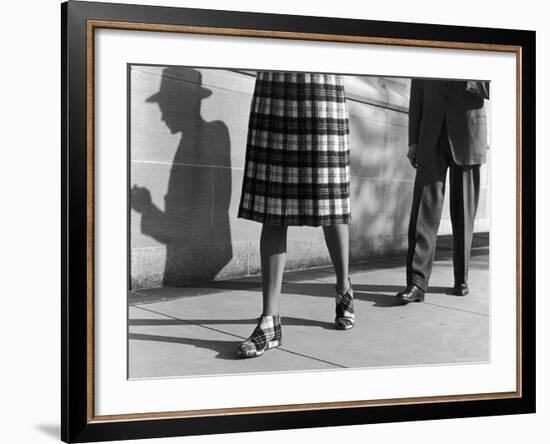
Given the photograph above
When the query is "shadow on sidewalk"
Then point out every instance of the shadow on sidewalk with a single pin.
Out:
(286, 320)
(225, 349)
(379, 295)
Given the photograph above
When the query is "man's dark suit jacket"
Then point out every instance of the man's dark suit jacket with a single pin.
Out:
(432, 101)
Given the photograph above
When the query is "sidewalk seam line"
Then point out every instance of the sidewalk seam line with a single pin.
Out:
(456, 309)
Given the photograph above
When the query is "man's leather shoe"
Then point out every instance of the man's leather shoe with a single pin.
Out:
(410, 294)
(461, 289)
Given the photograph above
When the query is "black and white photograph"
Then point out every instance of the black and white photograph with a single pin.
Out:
(288, 221)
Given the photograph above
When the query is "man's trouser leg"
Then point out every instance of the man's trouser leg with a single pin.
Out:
(428, 196)
(464, 199)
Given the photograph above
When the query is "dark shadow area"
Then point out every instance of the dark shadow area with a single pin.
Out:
(194, 225)
(285, 320)
(322, 289)
(293, 285)
(51, 430)
(225, 349)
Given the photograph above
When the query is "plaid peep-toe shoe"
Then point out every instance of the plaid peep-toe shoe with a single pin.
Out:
(266, 335)
(345, 313)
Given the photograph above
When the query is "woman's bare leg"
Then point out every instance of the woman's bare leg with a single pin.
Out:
(337, 240)
(273, 258)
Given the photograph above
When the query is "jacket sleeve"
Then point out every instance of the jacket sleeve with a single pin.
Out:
(415, 110)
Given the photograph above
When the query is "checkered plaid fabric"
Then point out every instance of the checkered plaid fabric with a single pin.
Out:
(345, 313)
(297, 158)
(266, 335)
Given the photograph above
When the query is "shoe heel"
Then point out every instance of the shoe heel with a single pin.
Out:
(273, 344)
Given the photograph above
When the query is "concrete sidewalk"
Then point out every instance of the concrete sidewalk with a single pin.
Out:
(196, 330)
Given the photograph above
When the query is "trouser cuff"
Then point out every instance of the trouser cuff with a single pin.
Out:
(419, 282)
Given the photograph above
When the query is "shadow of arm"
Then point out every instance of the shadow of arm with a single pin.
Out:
(152, 217)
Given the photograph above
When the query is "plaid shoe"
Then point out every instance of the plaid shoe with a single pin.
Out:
(266, 335)
(345, 314)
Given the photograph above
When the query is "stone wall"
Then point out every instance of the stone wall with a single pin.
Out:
(188, 132)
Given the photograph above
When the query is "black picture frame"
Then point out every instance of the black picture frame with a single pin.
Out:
(77, 422)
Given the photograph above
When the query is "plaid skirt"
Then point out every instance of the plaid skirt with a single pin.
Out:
(297, 154)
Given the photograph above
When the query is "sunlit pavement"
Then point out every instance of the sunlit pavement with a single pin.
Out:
(195, 330)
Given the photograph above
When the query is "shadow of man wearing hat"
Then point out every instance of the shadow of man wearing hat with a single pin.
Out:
(194, 225)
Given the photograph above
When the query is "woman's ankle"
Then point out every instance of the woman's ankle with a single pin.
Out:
(343, 287)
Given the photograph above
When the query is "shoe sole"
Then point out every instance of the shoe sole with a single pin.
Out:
(344, 322)
(344, 327)
(270, 344)
(406, 301)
